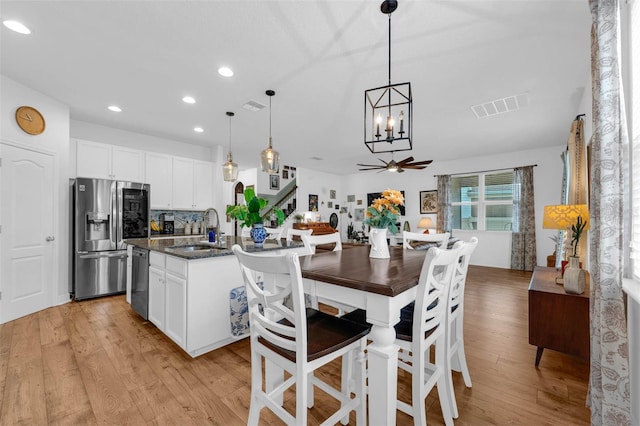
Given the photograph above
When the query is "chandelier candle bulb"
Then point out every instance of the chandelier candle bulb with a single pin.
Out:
(401, 123)
(378, 121)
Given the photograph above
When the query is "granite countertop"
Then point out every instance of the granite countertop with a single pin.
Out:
(206, 249)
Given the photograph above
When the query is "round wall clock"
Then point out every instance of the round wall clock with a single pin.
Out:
(30, 120)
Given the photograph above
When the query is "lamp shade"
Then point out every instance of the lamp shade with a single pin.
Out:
(563, 216)
(426, 223)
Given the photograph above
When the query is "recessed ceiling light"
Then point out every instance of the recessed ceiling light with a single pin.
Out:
(225, 71)
(17, 27)
(198, 129)
(188, 100)
(114, 108)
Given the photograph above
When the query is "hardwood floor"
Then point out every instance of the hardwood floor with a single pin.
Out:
(97, 362)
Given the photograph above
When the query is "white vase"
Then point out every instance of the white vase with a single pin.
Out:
(378, 241)
(574, 277)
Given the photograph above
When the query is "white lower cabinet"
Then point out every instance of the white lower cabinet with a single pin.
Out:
(189, 300)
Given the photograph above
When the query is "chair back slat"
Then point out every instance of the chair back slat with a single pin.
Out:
(462, 267)
(299, 232)
(311, 241)
(441, 239)
(274, 233)
(433, 288)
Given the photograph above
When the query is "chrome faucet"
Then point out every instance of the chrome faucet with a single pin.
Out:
(205, 220)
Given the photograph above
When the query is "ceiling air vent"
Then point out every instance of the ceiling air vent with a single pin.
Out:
(501, 106)
(253, 106)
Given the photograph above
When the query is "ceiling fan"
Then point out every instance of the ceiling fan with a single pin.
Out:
(399, 167)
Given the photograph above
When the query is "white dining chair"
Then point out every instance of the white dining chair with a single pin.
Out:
(274, 233)
(425, 329)
(297, 340)
(299, 232)
(441, 239)
(457, 357)
(312, 241)
(245, 232)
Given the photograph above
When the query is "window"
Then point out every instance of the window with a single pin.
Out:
(483, 201)
(634, 49)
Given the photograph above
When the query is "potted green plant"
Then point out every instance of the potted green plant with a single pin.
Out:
(249, 215)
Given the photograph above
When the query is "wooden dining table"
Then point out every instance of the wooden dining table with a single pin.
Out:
(381, 287)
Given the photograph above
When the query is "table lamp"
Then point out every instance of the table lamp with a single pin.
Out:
(562, 217)
(426, 223)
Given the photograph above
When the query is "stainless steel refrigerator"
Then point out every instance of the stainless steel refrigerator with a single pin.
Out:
(104, 213)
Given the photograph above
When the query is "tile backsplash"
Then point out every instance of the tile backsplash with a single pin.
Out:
(180, 217)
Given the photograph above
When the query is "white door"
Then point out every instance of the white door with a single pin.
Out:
(27, 238)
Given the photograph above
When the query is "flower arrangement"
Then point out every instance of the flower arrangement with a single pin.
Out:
(249, 213)
(384, 211)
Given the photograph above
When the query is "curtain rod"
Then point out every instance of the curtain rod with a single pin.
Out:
(484, 171)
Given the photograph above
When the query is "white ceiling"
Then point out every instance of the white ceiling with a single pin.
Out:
(319, 57)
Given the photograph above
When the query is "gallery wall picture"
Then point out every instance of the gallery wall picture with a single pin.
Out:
(332, 194)
(274, 181)
(285, 174)
(358, 215)
(428, 202)
(313, 203)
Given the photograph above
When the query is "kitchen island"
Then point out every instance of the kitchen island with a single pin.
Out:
(196, 290)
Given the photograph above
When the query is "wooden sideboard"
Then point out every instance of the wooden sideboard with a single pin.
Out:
(557, 320)
(319, 228)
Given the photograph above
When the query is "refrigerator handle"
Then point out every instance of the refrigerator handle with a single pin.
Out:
(116, 223)
(98, 255)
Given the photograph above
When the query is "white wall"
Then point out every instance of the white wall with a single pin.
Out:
(494, 248)
(55, 140)
(320, 184)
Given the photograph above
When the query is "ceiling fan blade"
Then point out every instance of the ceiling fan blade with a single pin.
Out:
(372, 168)
(369, 165)
(419, 163)
(383, 162)
(414, 167)
(405, 161)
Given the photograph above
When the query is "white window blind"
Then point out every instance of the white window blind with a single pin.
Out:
(634, 50)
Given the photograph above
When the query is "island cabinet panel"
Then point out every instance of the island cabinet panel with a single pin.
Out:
(208, 319)
(176, 309)
(156, 296)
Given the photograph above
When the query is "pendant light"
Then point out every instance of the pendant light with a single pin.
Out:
(269, 158)
(230, 169)
(388, 119)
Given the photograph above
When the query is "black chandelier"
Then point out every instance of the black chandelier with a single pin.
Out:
(388, 120)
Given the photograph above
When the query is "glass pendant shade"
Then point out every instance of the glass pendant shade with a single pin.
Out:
(270, 160)
(230, 169)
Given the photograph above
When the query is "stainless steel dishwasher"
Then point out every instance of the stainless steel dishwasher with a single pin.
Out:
(140, 282)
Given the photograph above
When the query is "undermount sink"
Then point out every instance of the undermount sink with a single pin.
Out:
(194, 248)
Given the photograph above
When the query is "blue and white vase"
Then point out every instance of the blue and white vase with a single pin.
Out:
(258, 234)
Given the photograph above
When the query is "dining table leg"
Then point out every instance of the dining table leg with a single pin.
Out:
(382, 356)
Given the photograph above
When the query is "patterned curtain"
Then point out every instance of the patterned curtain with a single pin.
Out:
(444, 204)
(523, 237)
(609, 380)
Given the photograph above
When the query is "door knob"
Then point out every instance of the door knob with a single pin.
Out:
(50, 238)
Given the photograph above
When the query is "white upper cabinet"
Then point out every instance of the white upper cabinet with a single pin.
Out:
(103, 161)
(183, 183)
(203, 185)
(160, 176)
(192, 184)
